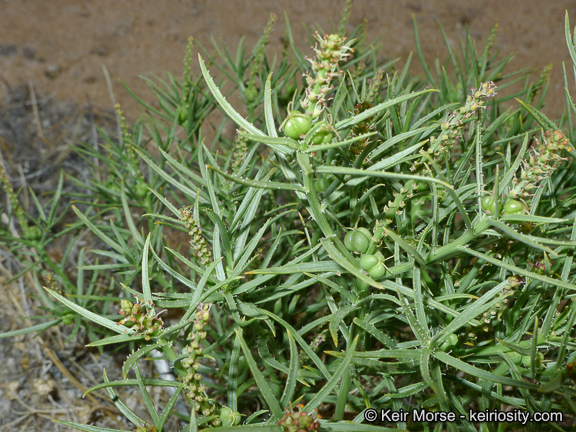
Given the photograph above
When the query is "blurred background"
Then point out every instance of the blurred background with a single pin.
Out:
(60, 46)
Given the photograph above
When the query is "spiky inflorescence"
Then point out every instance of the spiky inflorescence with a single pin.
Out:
(452, 127)
(197, 240)
(542, 161)
(240, 152)
(330, 51)
(195, 390)
(140, 316)
(258, 59)
(299, 421)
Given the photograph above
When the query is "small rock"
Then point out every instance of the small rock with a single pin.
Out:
(52, 71)
(45, 387)
(8, 50)
(100, 50)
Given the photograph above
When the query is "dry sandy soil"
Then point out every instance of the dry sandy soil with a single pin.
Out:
(60, 48)
(61, 45)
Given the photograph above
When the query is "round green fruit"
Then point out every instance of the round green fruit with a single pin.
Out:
(366, 232)
(449, 343)
(348, 240)
(68, 318)
(515, 357)
(361, 285)
(512, 206)
(489, 204)
(360, 242)
(296, 125)
(141, 190)
(527, 361)
(33, 233)
(229, 417)
(377, 272)
(182, 113)
(368, 261)
(323, 135)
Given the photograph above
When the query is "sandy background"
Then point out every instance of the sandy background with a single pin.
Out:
(61, 45)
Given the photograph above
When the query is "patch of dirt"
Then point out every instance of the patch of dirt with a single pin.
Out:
(62, 46)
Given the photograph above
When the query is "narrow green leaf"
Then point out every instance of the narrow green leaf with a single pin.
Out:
(224, 104)
(145, 278)
(321, 396)
(337, 319)
(258, 184)
(38, 327)
(97, 231)
(263, 386)
(104, 322)
(128, 216)
(147, 399)
(379, 108)
(292, 377)
(480, 373)
(513, 269)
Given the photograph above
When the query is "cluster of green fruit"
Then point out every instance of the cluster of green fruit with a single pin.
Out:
(511, 206)
(526, 360)
(361, 241)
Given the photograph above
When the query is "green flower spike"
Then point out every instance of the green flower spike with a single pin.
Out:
(330, 51)
(197, 240)
(195, 390)
(542, 161)
(140, 316)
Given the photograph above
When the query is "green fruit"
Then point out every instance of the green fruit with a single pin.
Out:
(527, 361)
(377, 272)
(515, 357)
(322, 134)
(512, 206)
(229, 417)
(296, 125)
(361, 285)
(182, 113)
(33, 233)
(368, 261)
(68, 318)
(489, 204)
(366, 232)
(348, 240)
(449, 343)
(141, 190)
(251, 94)
(360, 242)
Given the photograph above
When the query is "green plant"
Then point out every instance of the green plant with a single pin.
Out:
(288, 237)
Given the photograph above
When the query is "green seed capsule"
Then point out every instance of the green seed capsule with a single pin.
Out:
(489, 204)
(368, 261)
(361, 285)
(377, 272)
(527, 361)
(515, 357)
(449, 343)
(348, 240)
(322, 134)
(296, 124)
(512, 206)
(366, 232)
(360, 242)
